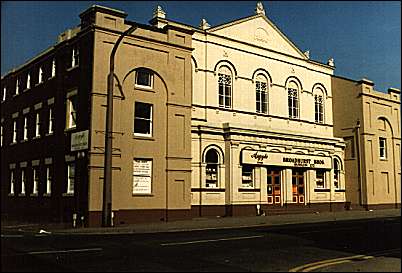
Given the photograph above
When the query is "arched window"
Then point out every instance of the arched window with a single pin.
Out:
(319, 105)
(293, 100)
(261, 87)
(212, 160)
(225, 87)
(337, 171)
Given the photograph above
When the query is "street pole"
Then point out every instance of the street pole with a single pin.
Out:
(107, 170)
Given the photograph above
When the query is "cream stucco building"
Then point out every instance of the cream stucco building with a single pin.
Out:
(373, 142)
(262, 125)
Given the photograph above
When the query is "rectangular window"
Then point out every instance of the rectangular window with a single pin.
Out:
(75, 57)
(23, 180)
(293, 103)
(70, 178)
(40, 75)
(247, 176)
(25, 128)
(35, 181)
(14, 131)
(37, 125)
(383, 148)
(142, 176)
(225, 90)
(48, 181)
(51, 120)
(320, 179)
(3, 97)
(211, 173)
(53, 68)
(319, 114)
(143, 78)
(17, 87)
(28, 81)
(72, 112)
(143, 119)
(1, 129)
(12, 182)
(261, 97)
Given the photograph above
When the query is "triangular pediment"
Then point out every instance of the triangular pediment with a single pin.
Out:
(258, 30)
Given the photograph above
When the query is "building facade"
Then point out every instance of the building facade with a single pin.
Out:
(373, 142)
(53, 125)
(262, 126)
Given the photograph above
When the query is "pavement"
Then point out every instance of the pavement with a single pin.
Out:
(210, 223)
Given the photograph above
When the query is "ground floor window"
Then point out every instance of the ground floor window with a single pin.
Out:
(211, 170)
(320, 179)
(70, 178)
(247, 176)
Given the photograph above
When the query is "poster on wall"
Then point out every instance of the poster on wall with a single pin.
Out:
(142, 176)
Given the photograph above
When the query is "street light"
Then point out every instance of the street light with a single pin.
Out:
(107, 171)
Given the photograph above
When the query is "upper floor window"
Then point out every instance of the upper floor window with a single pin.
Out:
(51, 121)
(337, 171)
(293, 100)
(28, 86)
(40, 75)
(383, 148)
(142, 119)
(48, 181)
(319, 108)
(15, 131)
(37, 125)
(225, 87)
(72, 111)
(53, 68)
(320, 179)
(1, 135)
(25, 137)
(23, 181)
(247, 176)
(75, 57)
(17, 86)
(12, 182)
(3, 95)
(70, 178)
(261, 85)
(35, 180)
(143, 78)
(211, 170)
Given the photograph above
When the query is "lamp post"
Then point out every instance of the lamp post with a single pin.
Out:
(107, 171)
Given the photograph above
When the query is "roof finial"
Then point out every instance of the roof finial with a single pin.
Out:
(159, 12)
(331, 62)
(204, 24)
(260, 8)
(307, 54)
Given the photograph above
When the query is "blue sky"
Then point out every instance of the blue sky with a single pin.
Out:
(363, 37)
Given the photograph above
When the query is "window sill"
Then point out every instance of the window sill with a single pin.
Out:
(67, 194)
(24, 140)
(72, 68)
(37, 137)
(138, 137)
(39, 83)
(50, 134)
(47, 195)
(51, 77)
(383, 159)
(142, 195)
(70, 129)
(33, 195)
(208, 189)
(322, 190)
(248, 190)
(340, 190)
(13, 143)
(11, 194)
(21, 194)
(26, 89)
(144, 88)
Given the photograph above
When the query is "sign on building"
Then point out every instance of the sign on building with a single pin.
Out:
(142, 176)
(79, 141)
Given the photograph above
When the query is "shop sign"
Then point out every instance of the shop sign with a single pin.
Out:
(285, 159)
(79, 141)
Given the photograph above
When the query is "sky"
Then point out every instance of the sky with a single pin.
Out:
(363, 37)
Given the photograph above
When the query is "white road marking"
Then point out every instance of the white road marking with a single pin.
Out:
(64, 251)
(11, 236)
(212, 240)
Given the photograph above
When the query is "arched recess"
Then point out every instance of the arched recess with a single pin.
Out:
(225, 63)
(194, 63)
(151, 70)
(218, 150)
(321, 87)
(262, 71)
(296, 81)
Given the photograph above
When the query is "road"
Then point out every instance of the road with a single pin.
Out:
(339, 246)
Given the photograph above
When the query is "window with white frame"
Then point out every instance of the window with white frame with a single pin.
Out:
(293, 100)
(320, 179)
(142, 119)
(23, 181)
(35, 180)
(75, 56)
(143, 78)
(225, 87)
(319, 108)
(383, 147)
(25, 128)
(142, 176)
(247, 176)
(17, 87)
(37, 125)
(48, 181)
(28, 86)
(40, 75)
(261, 85)
(337, 171)
(70, 178)
(3, 96)
(72, 111)
(51, 121)
(1, 131)
(53, 74)
(12, 181)
(211, 169)
(15, 131)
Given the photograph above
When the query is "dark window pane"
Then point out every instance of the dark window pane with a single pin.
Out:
(142, 126)
(143, 78)
(142, 110)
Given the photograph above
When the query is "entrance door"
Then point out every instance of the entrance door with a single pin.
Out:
(274, 186)
(298, 186)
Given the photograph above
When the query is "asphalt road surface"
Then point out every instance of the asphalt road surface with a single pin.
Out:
(339, 246)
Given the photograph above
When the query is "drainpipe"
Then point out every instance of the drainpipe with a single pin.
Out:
(200, 170)
(359, 168)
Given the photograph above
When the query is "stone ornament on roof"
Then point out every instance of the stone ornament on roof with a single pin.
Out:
(159, 12)
(307, 54)
(260, 8)
(331, 62)
(204, 24)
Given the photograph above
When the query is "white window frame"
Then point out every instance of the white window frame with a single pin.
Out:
(17, 87)
(37, 125)
(261, 92)
(48, 181)
(40, 75)
(23, 181)
(337, 174)
(71, 113)
(150, 120)
(319, 108)
(35, 175)
(319, 180)
(1, 133)
(225, 80)
(212, 169)
(12, 182)
(51, 120)
(28, 84)
(70, 178)
(247, 181)
(382, 144)
(293, 102)
(25, 128)
(150, 76)
(3, 97)
(75, 57)
(15, 130)
(53, 68)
